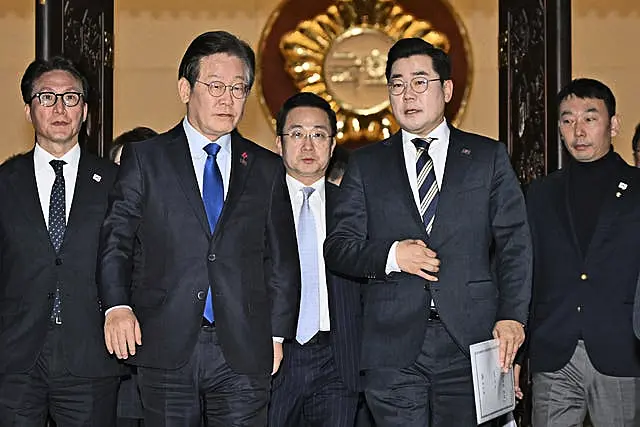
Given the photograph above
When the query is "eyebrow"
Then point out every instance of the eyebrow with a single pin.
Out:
(312, 127)
(416, 73)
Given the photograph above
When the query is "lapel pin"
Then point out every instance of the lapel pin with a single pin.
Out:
(618, 194)
(622, 185)
(466, 151)
(96, 177)
(243, 158)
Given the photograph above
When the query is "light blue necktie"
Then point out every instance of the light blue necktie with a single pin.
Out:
(309, 317)
(213, 198)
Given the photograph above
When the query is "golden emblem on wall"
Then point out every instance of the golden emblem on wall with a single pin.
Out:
(340, 53)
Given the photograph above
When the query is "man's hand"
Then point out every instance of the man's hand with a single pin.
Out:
(122, 332)
(516, 376)
(277, 357)
(414, 257)
(510, 335)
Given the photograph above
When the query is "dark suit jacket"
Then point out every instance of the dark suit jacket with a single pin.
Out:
(250, 261)
(30, 269)
(585, 295)
(480, 222)
(345, 314)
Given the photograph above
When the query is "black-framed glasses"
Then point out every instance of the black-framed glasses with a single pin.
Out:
(217, 89)
(49, 99)
(418, 85)
(316, 136)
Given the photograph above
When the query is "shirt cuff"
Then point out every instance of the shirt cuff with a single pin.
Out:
(392, 262)
(278, 339)
(116, 306)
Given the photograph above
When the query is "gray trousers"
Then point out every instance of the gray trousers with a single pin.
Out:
(563, 398)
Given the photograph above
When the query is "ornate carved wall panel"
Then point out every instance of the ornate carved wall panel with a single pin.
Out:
(535, 61)
(82, 30)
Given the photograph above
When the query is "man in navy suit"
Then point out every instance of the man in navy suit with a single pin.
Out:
(434, 217)
(54, 198)
(218, 266)
(585, 223)
(318, 382)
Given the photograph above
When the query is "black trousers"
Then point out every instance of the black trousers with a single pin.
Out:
(26, 399)
(308, 389)
(436, 391)
(204, 388)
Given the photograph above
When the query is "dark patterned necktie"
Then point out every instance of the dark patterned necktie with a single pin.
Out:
(57, 225)
(427, 185)
(213, 198)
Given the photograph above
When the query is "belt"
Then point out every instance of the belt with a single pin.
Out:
(321, 338)
(433, 315)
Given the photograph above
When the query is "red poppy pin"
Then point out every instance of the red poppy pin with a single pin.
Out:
(243, 158)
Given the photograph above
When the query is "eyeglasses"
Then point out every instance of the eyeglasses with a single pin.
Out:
(217, 89)
(316, 136)
(418, 85)
(49, 99)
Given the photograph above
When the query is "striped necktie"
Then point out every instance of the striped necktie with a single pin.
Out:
(427, 185)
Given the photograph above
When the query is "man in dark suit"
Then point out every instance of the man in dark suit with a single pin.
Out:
(54, 198)
(220, 275)
(585, 223)
(446, 250)
(318, 382)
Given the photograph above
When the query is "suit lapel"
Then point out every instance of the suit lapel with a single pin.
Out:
(242, 158)
(180, 157)
(459, 158)
(404, 187)
(82, 196)
(563, 207)
(610, 206)
(23, 181)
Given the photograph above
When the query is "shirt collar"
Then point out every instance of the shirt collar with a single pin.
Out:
(42, 157)
(296, 186)
(198, 141)
(441, 133)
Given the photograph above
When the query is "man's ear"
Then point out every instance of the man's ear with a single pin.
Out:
(184, 90)
(27, 112)
(447, 86)
(279, 145)
(615, 126)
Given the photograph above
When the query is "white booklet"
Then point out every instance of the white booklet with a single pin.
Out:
(494, 391)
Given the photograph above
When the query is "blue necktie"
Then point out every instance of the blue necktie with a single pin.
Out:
(309, 317)
(213, 198)
(427, 185)
(57, 226)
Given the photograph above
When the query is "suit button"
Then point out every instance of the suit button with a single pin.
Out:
(201, 295)
(426, 287)
(58, 261)
(579, 308)
(211, 257)
(584, 276)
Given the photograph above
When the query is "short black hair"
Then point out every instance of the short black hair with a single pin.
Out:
(636, 139)
(589, 88)
(213, 42)
(305, 99)
(136, 134)
(404, 48)
(338, 163)
(41, 66)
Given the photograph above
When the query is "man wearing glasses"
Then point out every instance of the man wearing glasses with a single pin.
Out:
(54, 198)
(435, 219)
(318, 382)
(220, 279)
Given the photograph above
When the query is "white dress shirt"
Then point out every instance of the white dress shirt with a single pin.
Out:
(45, 176)
(197, 142)
(317, 202)
(438, 152)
